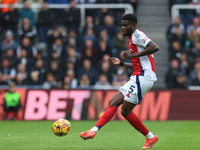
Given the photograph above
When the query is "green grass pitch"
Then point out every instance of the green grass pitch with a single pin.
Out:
(116, 135)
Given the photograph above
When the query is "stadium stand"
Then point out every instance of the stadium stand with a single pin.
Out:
(49, 48)
(53, 46)
(183, 37)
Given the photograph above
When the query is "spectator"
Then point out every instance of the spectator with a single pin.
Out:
(173, 72)
(178, 36)
(44, 23)
(8, 42)
(172, 29)
(89, 52)
(40, 70)
(40, 55)
(84, 81)
(20, 80)
(103, 49)
(89, 35)
(9, 54)
(73, 56)
(12, 102)
(102, 82)
(119, 53)
(26, 44)
(89, 24)
(21, 68)
(195, 75)
(24, 59)
(54, 57)
(192, 39)
(121, 78)
(184, 63)
(58, 46)
(27, 31)
(50, 82)
(105, 68)
(26, 12)
(195, 52)
(56, 71)
(182, 82)
(73, 80)
(7, 74)
(118, 42)
(89, 71)
(176, 50)
(101, 15)
(69, 65)
(195, 25)
(72, 17)
(34, 78)
(53, 34)
(66, 82)
(109, 26)
(69, 80)
(59, 19)
(73, 39)
(105, 37)
(9, 20)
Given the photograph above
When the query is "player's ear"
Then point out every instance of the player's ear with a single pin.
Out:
(134, 24)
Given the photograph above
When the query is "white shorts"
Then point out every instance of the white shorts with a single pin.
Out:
(135, 89)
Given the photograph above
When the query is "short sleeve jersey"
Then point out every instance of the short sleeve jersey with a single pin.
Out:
(144, 65)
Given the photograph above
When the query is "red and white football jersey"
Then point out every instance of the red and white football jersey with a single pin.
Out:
(143, 65)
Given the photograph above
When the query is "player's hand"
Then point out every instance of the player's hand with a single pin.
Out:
(127, 55)
(114, 60)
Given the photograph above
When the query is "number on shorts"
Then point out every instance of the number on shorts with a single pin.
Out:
(131, 89)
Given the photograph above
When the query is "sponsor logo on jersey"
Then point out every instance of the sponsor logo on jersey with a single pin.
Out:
(136, 34)
(128, 95)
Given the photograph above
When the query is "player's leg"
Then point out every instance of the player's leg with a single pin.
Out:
(107, 116)
(132, 118)
(109, 113)
(136, 122)
(138, 88)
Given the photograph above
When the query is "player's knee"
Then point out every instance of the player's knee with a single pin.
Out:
(125, 113)
(115, 102)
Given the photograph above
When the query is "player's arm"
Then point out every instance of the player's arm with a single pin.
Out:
(150, 49)
(116, 61)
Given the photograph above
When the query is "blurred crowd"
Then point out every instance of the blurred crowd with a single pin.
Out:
(183, 37)
(48, 47)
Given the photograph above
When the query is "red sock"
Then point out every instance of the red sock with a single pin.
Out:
(136, 122)
(106, 116)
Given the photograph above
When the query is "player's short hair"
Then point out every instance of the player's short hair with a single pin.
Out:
(130, 17)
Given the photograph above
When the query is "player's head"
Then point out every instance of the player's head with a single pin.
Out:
(129, 22)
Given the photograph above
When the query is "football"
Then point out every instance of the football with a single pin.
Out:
(61, 127)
